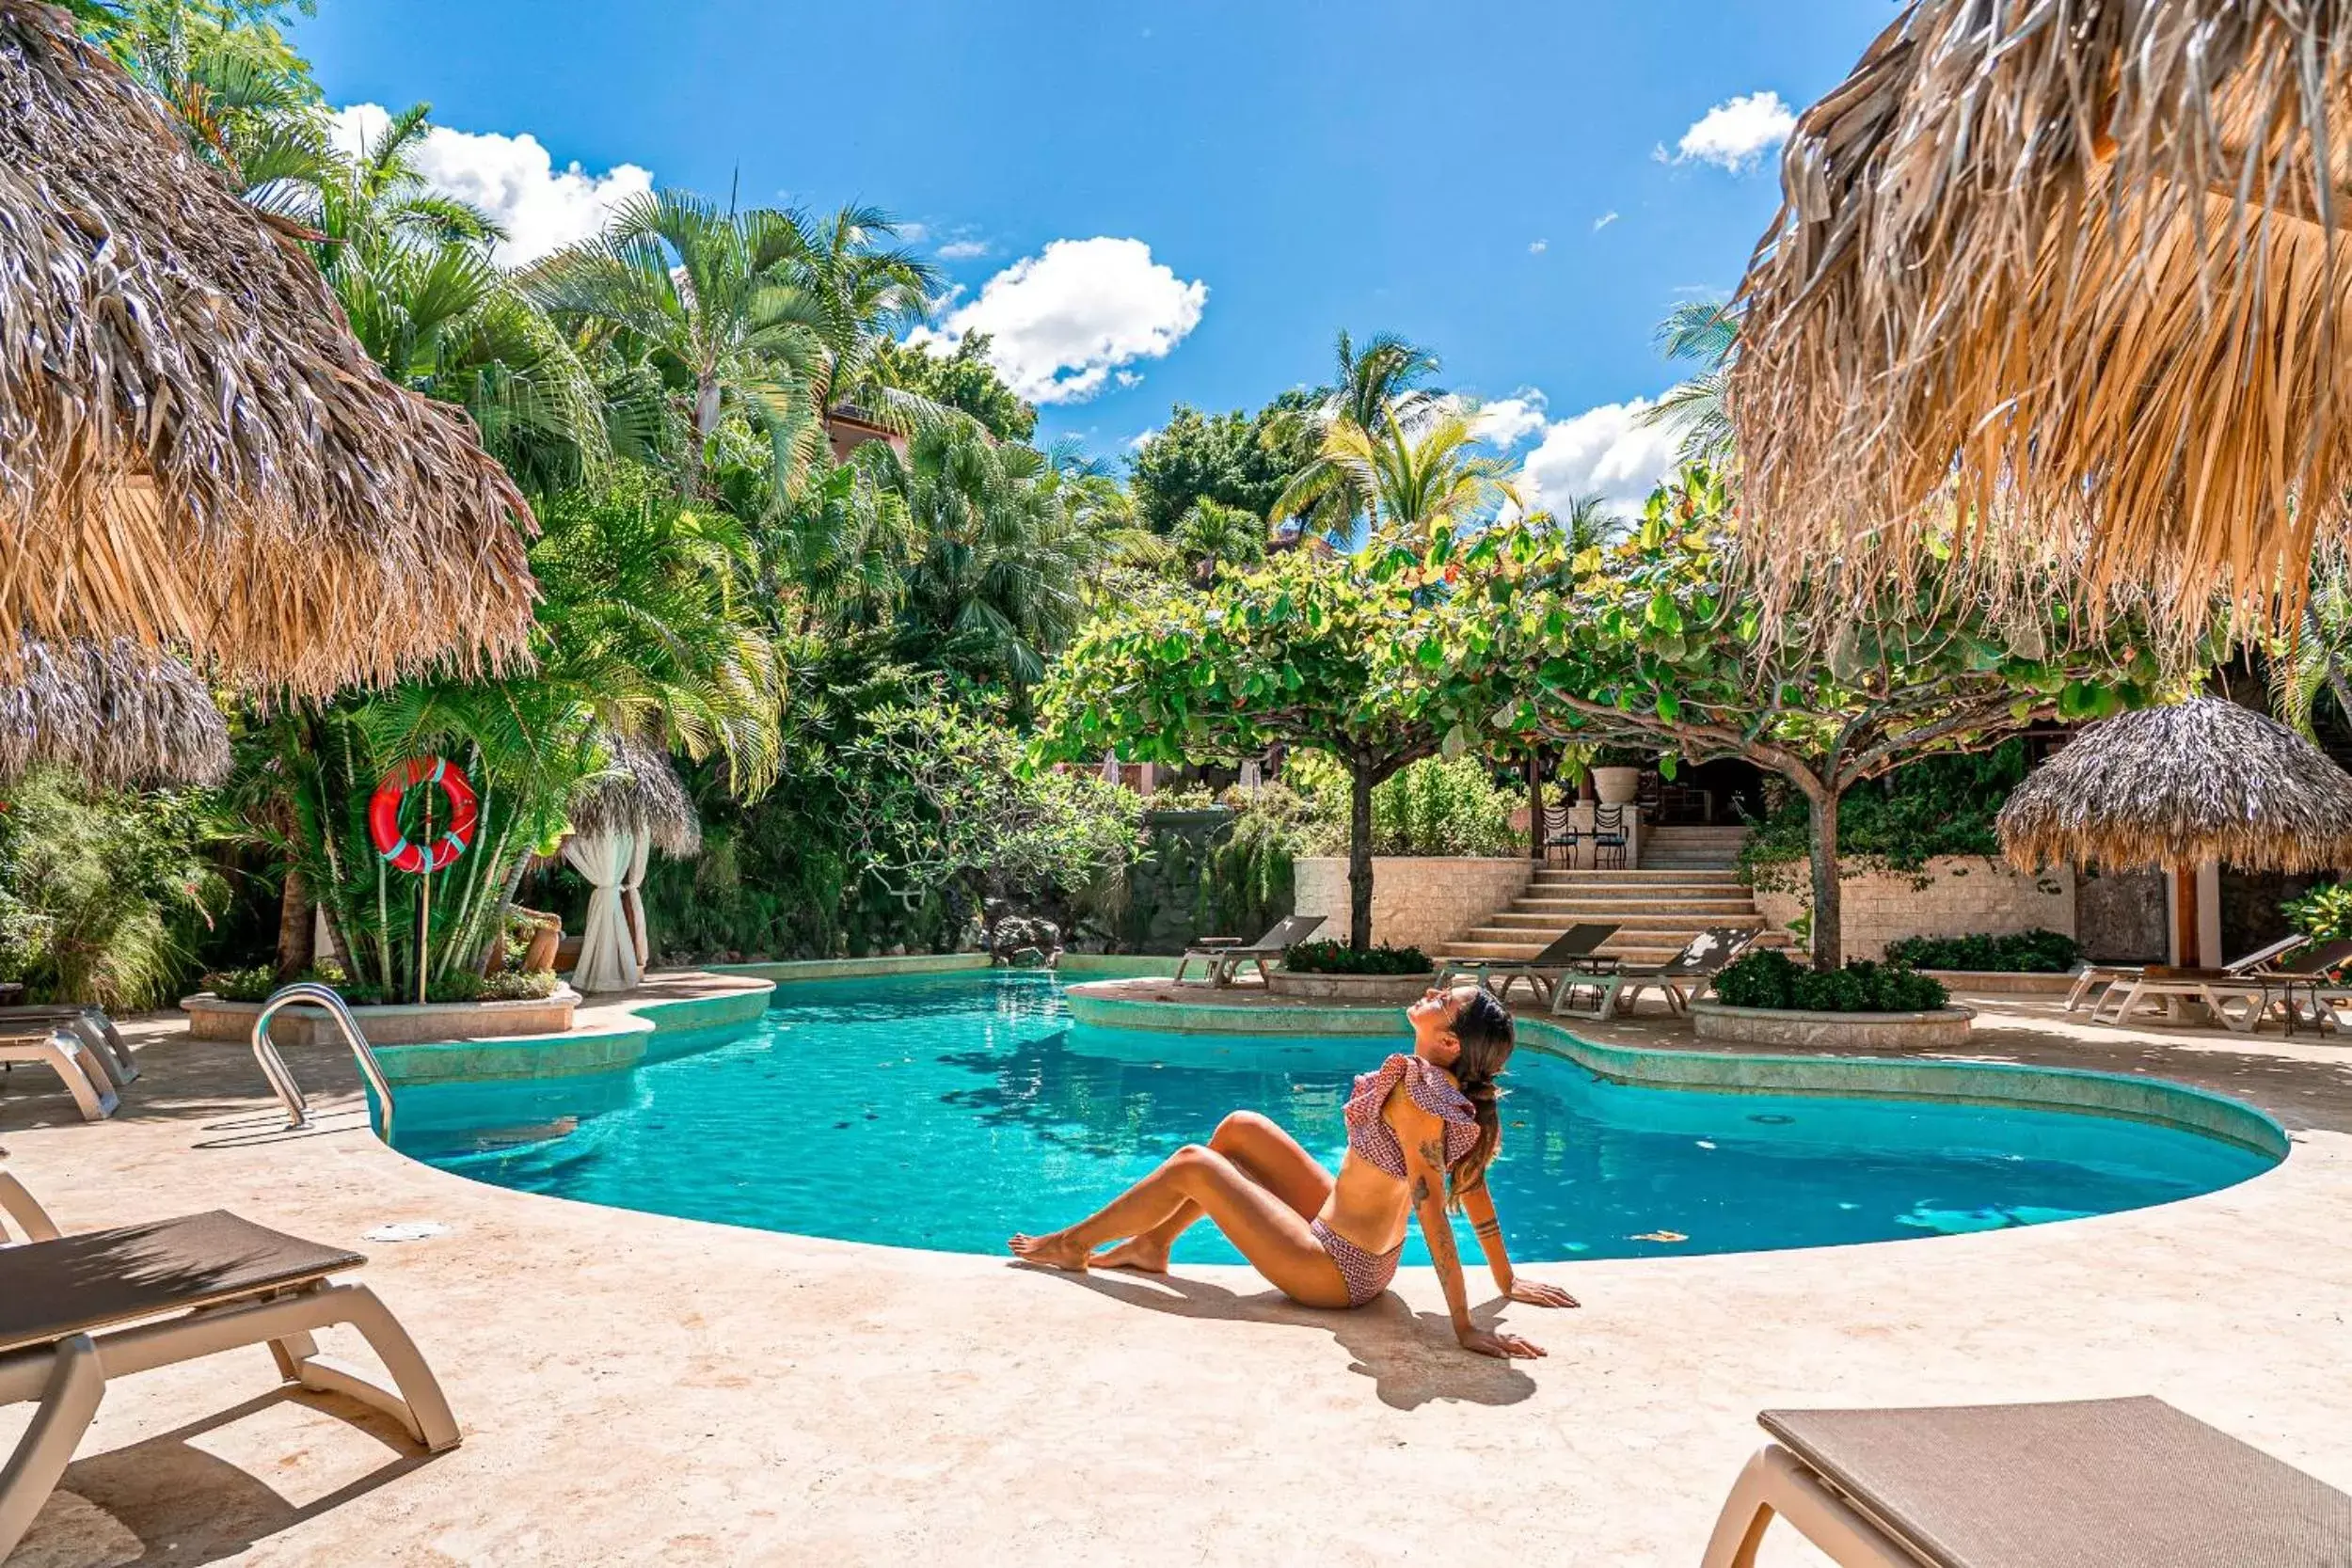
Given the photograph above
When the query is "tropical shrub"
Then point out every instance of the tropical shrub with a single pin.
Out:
(1938, 806)
(2324, 914)
(1769, 979)
(2034, 952)
(1435, 806)
(1338, 958)
(103, 893)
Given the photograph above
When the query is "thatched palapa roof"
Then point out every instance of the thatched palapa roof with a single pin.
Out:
(2078, 269)
(2174, 786)
(195, 452)
(640, 790)
(114, 713)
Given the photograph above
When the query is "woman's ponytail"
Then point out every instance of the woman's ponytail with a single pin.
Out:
(1488, 1037)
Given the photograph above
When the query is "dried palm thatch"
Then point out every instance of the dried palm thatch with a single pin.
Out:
(639, 792)
(2063, 279)
(195, 452)
(114, 713)
(2171, 788)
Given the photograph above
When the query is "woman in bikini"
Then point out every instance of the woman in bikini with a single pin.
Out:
(1420, 1132)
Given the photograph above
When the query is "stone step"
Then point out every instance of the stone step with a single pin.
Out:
(1633, 914)
(1645, 952)
(1627, 924)
(1695, 884)
(1550, 877)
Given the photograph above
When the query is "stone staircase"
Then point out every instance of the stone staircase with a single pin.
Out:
(1687, 884)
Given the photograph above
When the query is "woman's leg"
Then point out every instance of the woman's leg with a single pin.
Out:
(1269, 1232)
(1267, 1155)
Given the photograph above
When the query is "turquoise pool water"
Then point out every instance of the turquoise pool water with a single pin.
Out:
(948, 1111)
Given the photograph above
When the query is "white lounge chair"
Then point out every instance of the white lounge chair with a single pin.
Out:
(2086, 1482)
(2240, 1000)
(2113, 976)
(1681, 980)
(79, 1310)
(1225, 955)
(1569, 953)
(62, 1051)
(91, 1023)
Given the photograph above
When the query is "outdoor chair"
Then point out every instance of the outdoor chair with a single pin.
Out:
(1560, 835)
(1681, 980)
(2112, 975)
(1570, 952)
(2240, 999)
(62, 1051)
(1225, 955)
(1607, 835)
(90, 1022)
(2088, 1483)
(79, 1310)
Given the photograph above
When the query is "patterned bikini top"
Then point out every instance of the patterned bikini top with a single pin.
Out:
(1371, 1136)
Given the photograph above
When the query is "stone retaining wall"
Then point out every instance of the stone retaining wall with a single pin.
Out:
(1962, 896)
(1422, 901)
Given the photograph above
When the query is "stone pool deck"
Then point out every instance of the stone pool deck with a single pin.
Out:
(637, 1390)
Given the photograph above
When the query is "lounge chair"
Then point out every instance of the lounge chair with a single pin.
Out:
(1681, 979)
(78, 1310)
(2241, 1000)
(1570, 951)
(62, 1051)
(91, 1023)
(2112, 975)
(1225, 955)
(2088, 1483)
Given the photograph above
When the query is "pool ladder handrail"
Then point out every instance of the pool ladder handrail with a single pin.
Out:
(309, 994)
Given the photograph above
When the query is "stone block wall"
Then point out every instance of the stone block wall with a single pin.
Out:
(1422, 901)
(1962, 896)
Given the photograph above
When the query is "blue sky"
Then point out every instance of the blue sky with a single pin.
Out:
(1179, 203)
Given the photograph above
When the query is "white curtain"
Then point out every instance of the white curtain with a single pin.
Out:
(1110, 767)
(608, 947)
(633, 899)
(1252, 775)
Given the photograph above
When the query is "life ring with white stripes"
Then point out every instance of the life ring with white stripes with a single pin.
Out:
(384, 815)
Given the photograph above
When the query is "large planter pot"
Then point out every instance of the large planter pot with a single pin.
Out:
(1712, 1020)
(1351, 990)
(1617, 786)
(211, 1019)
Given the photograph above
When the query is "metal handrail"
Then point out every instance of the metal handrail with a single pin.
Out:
(311, 994)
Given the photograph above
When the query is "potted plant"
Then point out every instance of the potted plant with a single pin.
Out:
(1618, 773)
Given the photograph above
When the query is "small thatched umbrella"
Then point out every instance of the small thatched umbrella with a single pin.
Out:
(2174, 788)
(641, 792)
(638, 804)
(2073, 280)
(195, 451)
(116, 714)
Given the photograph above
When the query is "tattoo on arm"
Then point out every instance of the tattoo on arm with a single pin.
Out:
(1488, 1229)
(1421, 1189)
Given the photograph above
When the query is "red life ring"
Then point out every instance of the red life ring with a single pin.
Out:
(384, 814)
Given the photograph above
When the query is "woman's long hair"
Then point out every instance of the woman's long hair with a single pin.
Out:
(1488, 1037)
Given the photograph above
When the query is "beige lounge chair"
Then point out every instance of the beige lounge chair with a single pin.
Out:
(91, 1023)
(1681, 980)
(2241, 1001)
(1225, 955)
(62, 1051)
(1568, 953)
(2089, 1483)
(78, 1310)
(2113, 976)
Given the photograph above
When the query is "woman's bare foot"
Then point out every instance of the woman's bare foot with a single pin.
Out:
(1055, 1251)
(1141, 1252)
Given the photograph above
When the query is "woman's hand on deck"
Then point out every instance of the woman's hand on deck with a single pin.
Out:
(1534, 1292)
(1506, 1347)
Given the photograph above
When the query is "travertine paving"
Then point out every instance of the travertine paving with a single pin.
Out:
(638, 1389)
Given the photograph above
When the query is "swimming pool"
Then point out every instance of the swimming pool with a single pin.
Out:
(948, 1111)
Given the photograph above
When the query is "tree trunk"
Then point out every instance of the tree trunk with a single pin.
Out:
(1536, 804)
(1359, 858)
(298, 927)
(1828, 927)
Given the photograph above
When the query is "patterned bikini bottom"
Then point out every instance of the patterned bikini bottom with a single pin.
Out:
(1366, 1274)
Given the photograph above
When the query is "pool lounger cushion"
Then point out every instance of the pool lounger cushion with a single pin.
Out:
(2089, 1483)
(174, 1290)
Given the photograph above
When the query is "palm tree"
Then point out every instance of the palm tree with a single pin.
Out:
(1416, 476)
(2321, 658)
(717, 303)
(1705, 333)
(1384, 383)
(1211, 534)
(1587, 522)
(866, 292)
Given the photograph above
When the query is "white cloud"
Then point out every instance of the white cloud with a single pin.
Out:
(1603, 221)
(962, 250)
(1608, 452)
(1538, 248)
(914, 233)
(513, 178)
(1062, 322)
(1736, 134)
(1506, 421)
